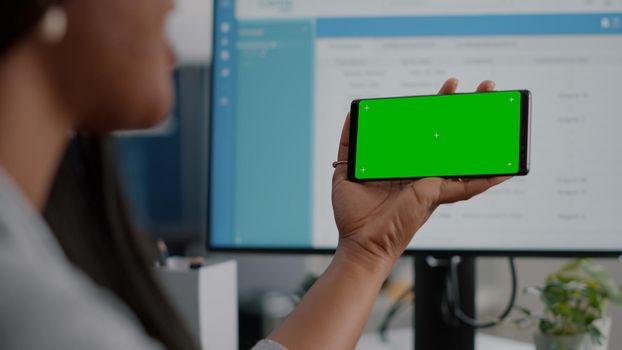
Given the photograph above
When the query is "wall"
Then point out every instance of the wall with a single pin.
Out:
(190, 30)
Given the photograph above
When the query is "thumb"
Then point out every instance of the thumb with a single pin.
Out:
(341, 171)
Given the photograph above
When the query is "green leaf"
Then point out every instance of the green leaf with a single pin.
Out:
(572, 265)
(523, 310)
(595, 334)
(546, 327)
(573, 298)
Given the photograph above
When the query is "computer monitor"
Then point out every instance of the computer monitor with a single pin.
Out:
(285, 72)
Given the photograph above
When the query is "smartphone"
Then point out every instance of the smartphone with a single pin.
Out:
(459, 135)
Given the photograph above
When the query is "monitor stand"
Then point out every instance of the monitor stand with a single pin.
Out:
(432, 330)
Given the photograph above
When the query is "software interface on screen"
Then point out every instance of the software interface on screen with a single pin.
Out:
(287, 70)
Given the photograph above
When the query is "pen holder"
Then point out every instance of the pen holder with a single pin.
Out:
(206, 297)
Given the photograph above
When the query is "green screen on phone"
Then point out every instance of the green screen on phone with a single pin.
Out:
(450, 135)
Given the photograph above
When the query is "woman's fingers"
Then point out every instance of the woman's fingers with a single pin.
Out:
(452, 190)
(341, 171)
(486, 85)
(449, 87)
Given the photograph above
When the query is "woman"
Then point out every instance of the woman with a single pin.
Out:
(91, 67)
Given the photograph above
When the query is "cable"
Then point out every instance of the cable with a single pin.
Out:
(397, 305)
(451, 307)
(453, 297)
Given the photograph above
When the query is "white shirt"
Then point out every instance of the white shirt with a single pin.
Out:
(46, 302)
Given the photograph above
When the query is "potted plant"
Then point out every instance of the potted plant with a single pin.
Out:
(575, 300)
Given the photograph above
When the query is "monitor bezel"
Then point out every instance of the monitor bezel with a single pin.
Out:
(423, 252)
(324, 251)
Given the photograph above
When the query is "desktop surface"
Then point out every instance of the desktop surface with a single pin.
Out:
(404, 339)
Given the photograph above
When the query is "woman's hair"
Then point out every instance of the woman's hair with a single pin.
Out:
(87, 215)
(17, 18)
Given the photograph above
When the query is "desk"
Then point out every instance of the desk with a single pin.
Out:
(403, 339)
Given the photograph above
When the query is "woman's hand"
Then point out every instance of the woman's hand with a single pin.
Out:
(376, 221)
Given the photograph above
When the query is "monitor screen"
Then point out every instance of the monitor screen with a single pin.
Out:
(286, 71)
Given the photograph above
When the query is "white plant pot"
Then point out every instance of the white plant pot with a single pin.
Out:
(560, 342)
(605, 328)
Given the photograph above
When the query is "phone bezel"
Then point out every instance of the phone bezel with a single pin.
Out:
(524, 148)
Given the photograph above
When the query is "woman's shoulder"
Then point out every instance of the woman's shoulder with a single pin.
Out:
(268, 345)
(47, 303)
(46, 308)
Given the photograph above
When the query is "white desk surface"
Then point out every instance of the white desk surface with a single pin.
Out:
(403, 339)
